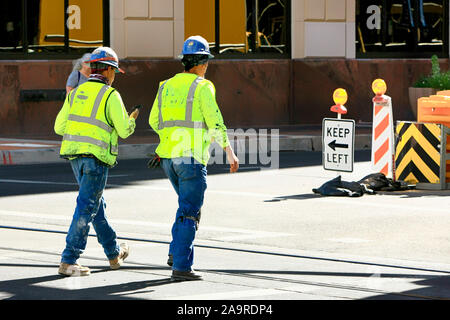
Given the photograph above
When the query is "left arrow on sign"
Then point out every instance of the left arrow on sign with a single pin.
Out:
(333, 145)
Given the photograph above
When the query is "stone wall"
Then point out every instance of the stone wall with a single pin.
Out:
(250, 93)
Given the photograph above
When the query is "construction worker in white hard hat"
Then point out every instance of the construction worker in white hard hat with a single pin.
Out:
(187, 118)
(91, 120)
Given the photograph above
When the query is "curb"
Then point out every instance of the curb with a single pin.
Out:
(141, 151)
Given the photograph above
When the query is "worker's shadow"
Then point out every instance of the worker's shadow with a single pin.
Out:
(70, 288)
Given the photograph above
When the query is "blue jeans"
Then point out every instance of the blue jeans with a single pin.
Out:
(91, 176)
(188, 178)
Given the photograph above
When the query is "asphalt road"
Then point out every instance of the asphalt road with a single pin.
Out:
(264, 235)
(60, 176)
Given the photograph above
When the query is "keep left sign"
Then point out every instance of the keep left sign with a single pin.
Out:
(338, 139)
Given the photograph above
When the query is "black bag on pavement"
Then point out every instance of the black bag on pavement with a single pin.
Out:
(369, 184)
(379, 182)
(337, 187)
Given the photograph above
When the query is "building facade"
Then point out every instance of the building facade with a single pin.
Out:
(318, 28)
(276, 62)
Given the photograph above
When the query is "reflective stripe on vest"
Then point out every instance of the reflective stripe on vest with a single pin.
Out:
(92, 119)
(96, 142)
(187, 123)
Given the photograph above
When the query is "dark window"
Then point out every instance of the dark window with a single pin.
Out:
(33, 29)
(241, 28)
(401, 28)
(270, 21)
(11, 26)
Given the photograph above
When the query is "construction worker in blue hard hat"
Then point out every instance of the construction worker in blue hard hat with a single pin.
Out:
(91, 120)
(187, 118)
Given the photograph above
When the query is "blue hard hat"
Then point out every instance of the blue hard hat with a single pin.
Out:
(107, 56)
(196, 45)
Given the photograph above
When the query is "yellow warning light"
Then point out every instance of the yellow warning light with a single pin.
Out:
(340, 96)
(379, 87)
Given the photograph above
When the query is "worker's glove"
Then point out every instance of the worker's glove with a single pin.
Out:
(154, 162)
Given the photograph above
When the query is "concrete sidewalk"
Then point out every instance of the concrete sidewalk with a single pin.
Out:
(16, 150)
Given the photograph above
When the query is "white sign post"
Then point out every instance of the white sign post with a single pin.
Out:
(338, 140)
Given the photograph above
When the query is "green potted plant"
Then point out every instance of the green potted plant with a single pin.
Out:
(428, 85)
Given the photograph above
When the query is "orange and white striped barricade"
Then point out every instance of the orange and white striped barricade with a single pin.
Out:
(383, 143)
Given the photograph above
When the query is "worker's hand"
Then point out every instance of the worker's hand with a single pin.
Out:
(134, 114)
(232, 159)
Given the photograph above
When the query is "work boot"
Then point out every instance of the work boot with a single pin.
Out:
(73, 270)
(185, 275)
(123, 254)
(170, 260)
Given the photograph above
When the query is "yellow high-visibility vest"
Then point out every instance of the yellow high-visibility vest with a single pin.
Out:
(187, 118)
(87, 129)
(181, 127)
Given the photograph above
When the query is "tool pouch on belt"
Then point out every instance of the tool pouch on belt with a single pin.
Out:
(154, 162)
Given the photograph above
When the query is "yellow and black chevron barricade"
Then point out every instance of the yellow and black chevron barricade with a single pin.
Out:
(421, 156)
